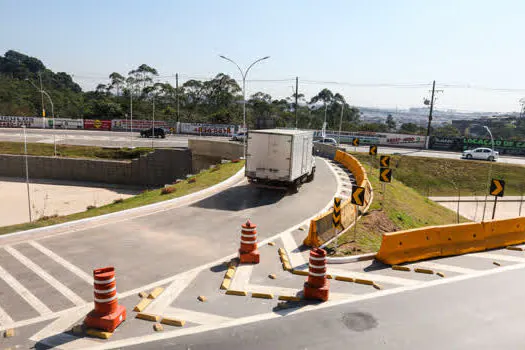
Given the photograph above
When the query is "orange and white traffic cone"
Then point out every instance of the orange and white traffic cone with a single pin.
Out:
(248, 253)
(108, 314)
(317, 286)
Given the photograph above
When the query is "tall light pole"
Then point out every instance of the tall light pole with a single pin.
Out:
(341, 121)
(490, 171)
(244, 74)
(131, 114)
(43, 92)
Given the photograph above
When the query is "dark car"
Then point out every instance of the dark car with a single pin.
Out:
(159, 132)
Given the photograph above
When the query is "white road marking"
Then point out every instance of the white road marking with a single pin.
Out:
(172, 292)
(67, 341)
(276, 291)
(273, 315)
(242, 277)
(373, 276)
(441, 267)
(194, 316)
(84, 276)
(296, 257)
(499, 257)
(5, 318)
(68, 293)
(61, 324)
(39, 306)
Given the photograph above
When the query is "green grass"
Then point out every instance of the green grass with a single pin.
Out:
(399, 208)
(203, 180)
(443, 177)
(43, 149)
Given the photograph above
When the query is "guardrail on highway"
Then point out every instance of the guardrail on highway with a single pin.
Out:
(321, 231)
(438, 241)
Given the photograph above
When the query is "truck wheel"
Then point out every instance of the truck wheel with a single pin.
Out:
(311, 176)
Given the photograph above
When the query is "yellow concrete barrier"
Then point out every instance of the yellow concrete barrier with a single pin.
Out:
(461, 238)
(500, 233)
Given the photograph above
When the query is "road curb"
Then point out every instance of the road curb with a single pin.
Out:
(351, 259)
(196, 196)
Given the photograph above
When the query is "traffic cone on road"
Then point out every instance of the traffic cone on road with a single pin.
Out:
(317, 286)
(248, 253)
(108, 314)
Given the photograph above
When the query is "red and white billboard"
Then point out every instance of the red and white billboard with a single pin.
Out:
(138, 124)
(207, 129)
(97, 124)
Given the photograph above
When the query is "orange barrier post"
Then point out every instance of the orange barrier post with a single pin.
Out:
(317, 285)
(108, 314)
(248, 253)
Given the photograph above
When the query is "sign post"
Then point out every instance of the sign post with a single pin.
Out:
(357, 199)
(372, 152)
(336, 218)
(355, 142)
(385, 174)
(497, 189)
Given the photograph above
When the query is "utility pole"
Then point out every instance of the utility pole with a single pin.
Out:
(42, 95)
(177, 89)
(296, 97)
(430, 114)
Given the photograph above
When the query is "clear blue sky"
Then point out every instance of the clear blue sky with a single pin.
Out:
(474, 42)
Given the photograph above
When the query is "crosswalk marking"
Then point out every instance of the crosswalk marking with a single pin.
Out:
(5, 318)
(40, 307)
(172, 292)
(438, 267)
(68, 293)
(499, 257)
(63, 262)
(296, 258)
(62, 323)
(241, 277)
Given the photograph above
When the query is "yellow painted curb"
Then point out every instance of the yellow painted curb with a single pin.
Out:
(148, 317)
(289, 298)
(142, 305)
(241, 293)
(173, 322)
(300, 272)
(262, 295)
(377, 286)
(440, 274)
(361, 281)
(155, 292)
(230, 272)
(400, 268)
(143, 295)
(427, 271)
(344, 279)
(99, 334)
(226, 283)
(518, 249)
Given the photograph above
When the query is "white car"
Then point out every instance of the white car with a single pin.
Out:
(481, 153)
(327, 141)
(239, 136)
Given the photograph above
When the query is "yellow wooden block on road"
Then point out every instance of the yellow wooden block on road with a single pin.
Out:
(173, 322)
(98, 334)
(148, 317)
(155, 292)
(142, 305)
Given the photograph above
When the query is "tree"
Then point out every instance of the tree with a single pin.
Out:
(411, 128)
(390, 123)
(117, 81)
(446, 130)
(143, 75)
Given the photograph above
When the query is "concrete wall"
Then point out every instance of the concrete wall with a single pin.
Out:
(160, 167)
(208, 152)
(325, 151)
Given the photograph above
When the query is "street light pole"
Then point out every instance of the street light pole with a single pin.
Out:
(244, 74)
(131, 114)
(27, 175)
(341, 121)
(43, 92)
(489, 173)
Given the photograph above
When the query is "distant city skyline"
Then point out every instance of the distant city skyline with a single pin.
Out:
(381, 54)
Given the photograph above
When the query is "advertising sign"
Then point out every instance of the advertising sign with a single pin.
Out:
(97, 124)
(65, 123)
(207, 129)
(18, 122)
(138, 124)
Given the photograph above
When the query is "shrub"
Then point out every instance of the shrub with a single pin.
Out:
(167, 190)
(119, 200)
(192, 180)
(89, 207)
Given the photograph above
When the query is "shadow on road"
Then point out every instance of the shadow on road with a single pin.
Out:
(242, 197)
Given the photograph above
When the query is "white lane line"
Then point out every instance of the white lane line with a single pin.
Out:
(39, 306)
(67, 341)
(242, 277)
(61, 324)
(296, 257)
(373, 276)
(438, 267)
(194, 316)
(5, 318)
(498, 257)
(68, 293)
(273, 315)
(172, 292)
(84, 276)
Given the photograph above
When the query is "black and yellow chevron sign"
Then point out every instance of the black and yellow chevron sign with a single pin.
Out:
(385, 175)
(497, 188)
(336, 216)
(373, 150)
(358, 196)
(355, 142)
(384, 161)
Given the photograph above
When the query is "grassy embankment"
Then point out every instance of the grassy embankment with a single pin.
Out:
(44, 149)
(202, 180)
(405, 206)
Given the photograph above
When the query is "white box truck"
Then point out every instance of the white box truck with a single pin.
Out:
(280, 157)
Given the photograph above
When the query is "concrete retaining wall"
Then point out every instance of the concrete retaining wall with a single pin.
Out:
(160, 167)
(208, 152)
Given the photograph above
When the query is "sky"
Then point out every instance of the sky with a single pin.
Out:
(375, 53)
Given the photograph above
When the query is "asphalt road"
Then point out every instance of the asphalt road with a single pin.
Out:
(478, 313)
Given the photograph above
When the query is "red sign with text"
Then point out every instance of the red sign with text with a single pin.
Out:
(97, 124)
